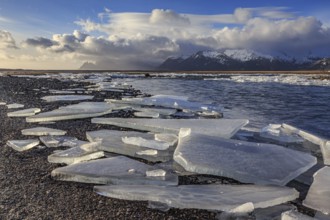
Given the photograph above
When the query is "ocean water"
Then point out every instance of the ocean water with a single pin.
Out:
(299, 100)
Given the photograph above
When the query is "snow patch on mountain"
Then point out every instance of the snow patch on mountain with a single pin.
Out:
(245, 55)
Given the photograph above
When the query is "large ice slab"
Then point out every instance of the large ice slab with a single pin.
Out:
(74, 155)
(41, 131)
(61, 141)
(294, 215)
(55, 98)
(225, 128)
(112, 141)
(272, 213)
(22, 145)
(210, 197)
(115, 170)
(24, 112)
(15, 105)
(244, 161)
(323, 143)
(178, 102)
(77, 111)
(318, 196)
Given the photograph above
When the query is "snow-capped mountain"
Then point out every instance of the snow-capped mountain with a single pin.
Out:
(238, 59)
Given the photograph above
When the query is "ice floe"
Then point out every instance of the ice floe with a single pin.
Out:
(115, 170)
(24, 112)
(42, 131)
(56, 98)
(244, 161)
(76, 111)
(112, 141)
(15, 105)
(210, 197)
(60, 141)
(318, 196)
(225, 128)
(74, 155)
(295, 215)
(22, 145)
(177, 102)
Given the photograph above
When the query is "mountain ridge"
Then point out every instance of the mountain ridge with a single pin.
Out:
(243, 60)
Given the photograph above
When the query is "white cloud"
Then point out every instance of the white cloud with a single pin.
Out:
(7, 40)
(143, 40)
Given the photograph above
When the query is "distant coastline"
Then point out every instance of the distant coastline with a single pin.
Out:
(31, 71)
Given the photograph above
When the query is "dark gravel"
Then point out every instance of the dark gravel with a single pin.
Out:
(27, 190)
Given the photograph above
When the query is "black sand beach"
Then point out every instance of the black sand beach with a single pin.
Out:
(27, 190)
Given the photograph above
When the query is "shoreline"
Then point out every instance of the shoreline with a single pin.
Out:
(129, 72)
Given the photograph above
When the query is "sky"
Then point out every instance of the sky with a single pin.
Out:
(141, 34)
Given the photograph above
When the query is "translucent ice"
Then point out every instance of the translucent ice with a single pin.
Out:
(158, 172)
(178, 102)
(275, 134)
(141, 142)
(318, 196)
(60, 141)
(272, 213)
(294, 215)
(147, 152)
(77, 111)
(115, 170)
(56, 98)
(15, 105)
(160, 111)
(111, 141)
(24, 113)
(323, 143)
(74, 155)
(222, 127)
(22, 145)
(41, 131)
(210, 197)
(244, 161)
(146, 114)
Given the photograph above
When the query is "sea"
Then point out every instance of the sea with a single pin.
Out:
(299, 100)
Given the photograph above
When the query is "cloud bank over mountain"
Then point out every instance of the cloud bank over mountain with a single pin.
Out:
(144, 40)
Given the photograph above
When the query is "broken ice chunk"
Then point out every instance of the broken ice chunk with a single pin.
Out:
(318, 196)
(179, 102)
(22, 145)
(222, 128)
(15, 105)
(74, 155)
(77, 111)
(56, 98)
(158, 172)
(24, 113)
(272, 213)
(115, 170)
(146, 114)
(60, 141)
(294, 215)
(141, 142)
(91, 146)
(3, 103)
(111, 141)
(171, 139)
(244, 161)
(275, 134)
(147, 152)
(209, 197)
(323, 143)
(42, 131)
(160, 111)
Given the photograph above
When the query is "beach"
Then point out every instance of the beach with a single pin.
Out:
(26, 187)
